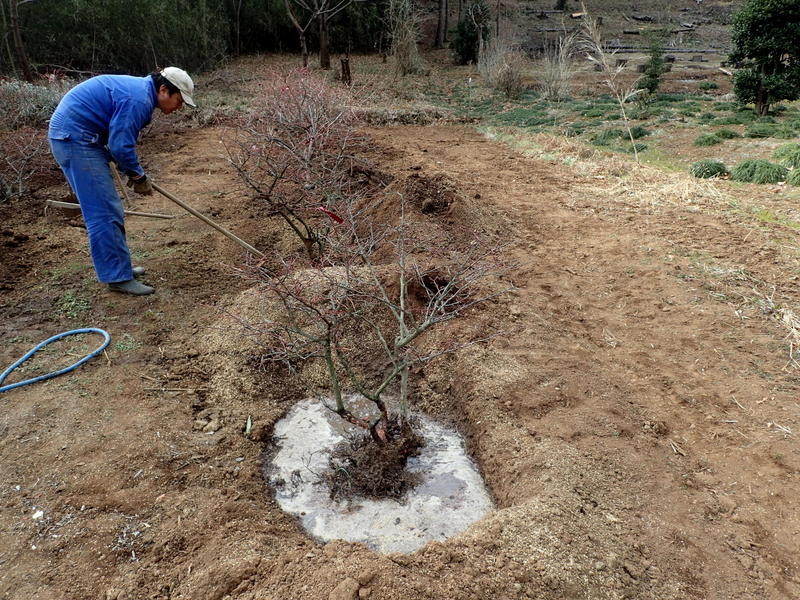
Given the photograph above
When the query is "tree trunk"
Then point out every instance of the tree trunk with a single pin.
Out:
(441, 26)
(304, 49)
(324, 47)
(446, 20)
(238, 27)
(11, 64)
(762, 102)
(762, 99)
(347, 77)
(19, 47)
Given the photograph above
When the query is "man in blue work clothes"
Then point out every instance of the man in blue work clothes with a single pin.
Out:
(99, 121)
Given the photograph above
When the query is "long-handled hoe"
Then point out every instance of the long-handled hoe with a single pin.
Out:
(184, 206)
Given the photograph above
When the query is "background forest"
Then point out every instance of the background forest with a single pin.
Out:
(135, 36)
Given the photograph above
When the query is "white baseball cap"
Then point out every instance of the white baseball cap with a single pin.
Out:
(181, 80)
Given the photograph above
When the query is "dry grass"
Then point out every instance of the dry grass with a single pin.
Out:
(504, 67)
(558, 68)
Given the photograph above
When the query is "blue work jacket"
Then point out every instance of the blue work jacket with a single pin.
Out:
(107, 110)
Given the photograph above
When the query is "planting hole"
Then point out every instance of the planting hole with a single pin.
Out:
(449, 496)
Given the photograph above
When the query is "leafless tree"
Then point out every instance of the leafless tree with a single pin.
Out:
(21, 154)
(237, 23)
(405, 34)
(365, 310)
(295, 151)
(304, 13)
(16, 35)
(441, 25)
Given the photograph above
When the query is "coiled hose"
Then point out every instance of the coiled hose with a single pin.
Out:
(7, 372)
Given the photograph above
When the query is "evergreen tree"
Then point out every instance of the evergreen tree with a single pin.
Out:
(654, 67)
(766, 39)
(472, 32)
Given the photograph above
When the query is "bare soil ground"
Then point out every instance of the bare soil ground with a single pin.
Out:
(637, 427)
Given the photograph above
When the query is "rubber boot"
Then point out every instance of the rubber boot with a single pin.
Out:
(138, 271)
(131, 287)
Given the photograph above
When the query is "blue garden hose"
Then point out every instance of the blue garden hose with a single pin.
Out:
(90, 356)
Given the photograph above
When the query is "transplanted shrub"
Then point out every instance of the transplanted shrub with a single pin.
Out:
(759, 171)
(654, 67)
(788, 155)
(708, 139)
(708, 168)
(295, 151)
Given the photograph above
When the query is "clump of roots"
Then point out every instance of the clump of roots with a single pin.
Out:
(359, 467)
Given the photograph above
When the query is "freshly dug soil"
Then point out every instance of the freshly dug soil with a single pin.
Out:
(637, 426)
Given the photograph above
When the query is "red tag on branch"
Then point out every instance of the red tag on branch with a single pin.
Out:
(331, 214)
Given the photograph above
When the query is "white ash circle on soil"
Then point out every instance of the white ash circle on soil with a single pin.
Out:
(450, 497)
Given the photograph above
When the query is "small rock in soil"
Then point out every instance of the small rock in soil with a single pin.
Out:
(346, 590)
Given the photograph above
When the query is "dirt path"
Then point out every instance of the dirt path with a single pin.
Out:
(637, 429)
(632, 354)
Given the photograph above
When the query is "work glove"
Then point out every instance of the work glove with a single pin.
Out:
(141, 185)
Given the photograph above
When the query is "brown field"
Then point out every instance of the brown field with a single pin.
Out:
(637, 427)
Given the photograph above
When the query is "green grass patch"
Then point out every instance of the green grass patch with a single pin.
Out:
(707, 139)
(60, 273)
(607, 137)
(127, 343)
(574, 129)
(761, 130)
(673, 97)
(636, 148)
(784, 131)
(727, 134)
(72, 305)
(638, 131)
(708, 168)
(794, 177)
(524, 117)
(707, 85)
(788, 155)
(759, 171)
(767, 216)
(599, 111)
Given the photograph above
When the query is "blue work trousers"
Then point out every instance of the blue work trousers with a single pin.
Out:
(87, 170)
